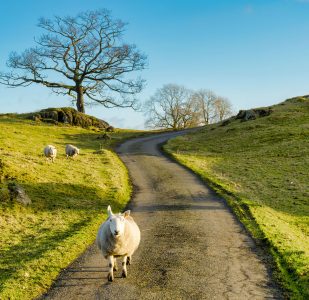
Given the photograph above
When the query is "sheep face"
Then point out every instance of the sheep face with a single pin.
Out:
(75, 152)
(116, 222)
(116, 225)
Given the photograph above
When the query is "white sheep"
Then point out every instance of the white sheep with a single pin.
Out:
(71, 151)
(118, 236)
(50, 152)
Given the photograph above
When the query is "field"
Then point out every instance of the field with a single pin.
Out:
(69, 199)
(261, 167)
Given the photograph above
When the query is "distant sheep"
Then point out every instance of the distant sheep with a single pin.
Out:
(50, 152)
(71, 151)
(119, 235)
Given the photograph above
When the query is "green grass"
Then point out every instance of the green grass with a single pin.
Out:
(69, 199)
(261, 167)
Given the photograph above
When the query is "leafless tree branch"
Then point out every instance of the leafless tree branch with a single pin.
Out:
(88, 56)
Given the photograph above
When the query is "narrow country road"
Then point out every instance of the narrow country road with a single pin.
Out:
(192, 246)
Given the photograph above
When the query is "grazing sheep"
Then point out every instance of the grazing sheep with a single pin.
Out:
(50, 152)
(118, 236)
(71, 151)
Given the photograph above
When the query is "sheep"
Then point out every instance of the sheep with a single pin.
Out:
(50, 152)
(118, 236)
(71, 151)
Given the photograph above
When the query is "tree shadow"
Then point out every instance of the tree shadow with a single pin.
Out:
(30, 249)
(176, 207)
(84, 140)
(54, 196)
(82, 201)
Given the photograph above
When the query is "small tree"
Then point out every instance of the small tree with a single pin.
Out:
(223, 108)
(82, 57)
(168, 107)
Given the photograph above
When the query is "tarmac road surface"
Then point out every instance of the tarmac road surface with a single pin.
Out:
(192, 246)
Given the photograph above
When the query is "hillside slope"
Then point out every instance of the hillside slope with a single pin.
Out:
(68, 197)
(261, 166)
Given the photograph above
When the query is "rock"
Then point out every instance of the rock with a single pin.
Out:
(50, 121)
(17, 193)
(104, 136)
(252, 114)
(225, 122)
(52, 114)
(110, 129)
(36, 118)
(263, 112)
(246, 115)
(69, 115)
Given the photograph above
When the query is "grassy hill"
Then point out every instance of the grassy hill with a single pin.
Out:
(261, 166)
(69, 198)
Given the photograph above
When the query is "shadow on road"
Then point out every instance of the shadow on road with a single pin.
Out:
(175, 207)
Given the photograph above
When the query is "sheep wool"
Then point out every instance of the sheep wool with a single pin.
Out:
(71, 151)
(50, 152)
(118, 236)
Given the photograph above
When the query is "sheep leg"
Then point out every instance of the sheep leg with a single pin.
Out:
(115, 264)
(129, 260)
(124, 267)
(110, 275)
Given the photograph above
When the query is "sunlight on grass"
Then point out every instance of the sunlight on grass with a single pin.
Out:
(69, 198)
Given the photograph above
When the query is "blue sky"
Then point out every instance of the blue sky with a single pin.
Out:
(255, 53)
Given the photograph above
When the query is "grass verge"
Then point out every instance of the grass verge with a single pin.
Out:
(261, 168)
(68, 200)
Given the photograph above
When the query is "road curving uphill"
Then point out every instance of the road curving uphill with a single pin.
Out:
(192, 246)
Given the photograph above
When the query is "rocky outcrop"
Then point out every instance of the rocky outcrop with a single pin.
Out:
(110, 129)
(17, 193)
(227, 121)
(68, 115)
(252, 114)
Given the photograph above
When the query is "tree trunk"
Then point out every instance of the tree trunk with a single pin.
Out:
(80, 99)
(206, 118)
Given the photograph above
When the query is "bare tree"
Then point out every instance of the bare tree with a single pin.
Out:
(206, 101)
(83, 57)
(223, 108)
(168, 108)
(174, 106)
(190, 113)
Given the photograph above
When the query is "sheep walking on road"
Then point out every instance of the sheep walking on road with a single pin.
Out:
(71, 151)
(50, 152)
(118, 236)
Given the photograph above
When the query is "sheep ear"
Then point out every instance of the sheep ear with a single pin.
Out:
(126, 213)
(109, 211)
